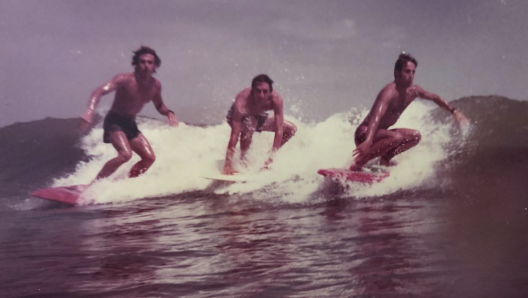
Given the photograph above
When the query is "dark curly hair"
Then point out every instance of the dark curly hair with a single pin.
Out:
(145, 50)
(402, 61)
(262, 78)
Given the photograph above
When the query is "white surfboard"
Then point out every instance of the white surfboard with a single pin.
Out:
(228, 178)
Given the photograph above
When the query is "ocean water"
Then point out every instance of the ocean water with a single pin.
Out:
(450, 221)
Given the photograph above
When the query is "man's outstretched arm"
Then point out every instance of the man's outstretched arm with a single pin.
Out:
(95, 97)
(459, 117)
(162, 108)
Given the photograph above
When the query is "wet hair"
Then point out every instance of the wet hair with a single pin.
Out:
(402, 61)
(262, 78)
(145, 50)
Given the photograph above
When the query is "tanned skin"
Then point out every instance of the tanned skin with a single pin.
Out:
(249, 103)
(390, 103)
(133, 91)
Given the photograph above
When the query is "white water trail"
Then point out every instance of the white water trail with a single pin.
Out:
(185, 153)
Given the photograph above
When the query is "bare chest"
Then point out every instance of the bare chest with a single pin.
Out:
(400, 102)
(134, 93)
(256, 109)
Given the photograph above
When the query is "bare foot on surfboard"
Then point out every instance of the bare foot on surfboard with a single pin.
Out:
(355, 168)
(387, 163)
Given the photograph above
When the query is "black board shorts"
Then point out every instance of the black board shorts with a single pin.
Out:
(261, 118)
(115, 122)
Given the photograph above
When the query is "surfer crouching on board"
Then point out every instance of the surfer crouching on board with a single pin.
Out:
(249, 114)
(373, 137)
(133, 91)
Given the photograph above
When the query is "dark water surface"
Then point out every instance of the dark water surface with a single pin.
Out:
(195, 246)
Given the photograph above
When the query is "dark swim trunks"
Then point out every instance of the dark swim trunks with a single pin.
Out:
(115, 122)
(261, 118)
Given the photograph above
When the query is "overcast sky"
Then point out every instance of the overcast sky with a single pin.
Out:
(325, 56)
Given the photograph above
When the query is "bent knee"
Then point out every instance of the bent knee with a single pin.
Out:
(150, 158)
(291, 129)
(416, 136)
(124, 156)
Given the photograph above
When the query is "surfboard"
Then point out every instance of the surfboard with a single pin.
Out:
(227, 178)
(65, 194)
(354, 176)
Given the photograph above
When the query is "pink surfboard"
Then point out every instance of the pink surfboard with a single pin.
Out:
(66, 194)
(354, 176)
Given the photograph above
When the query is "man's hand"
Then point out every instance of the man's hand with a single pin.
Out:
(361, 150)
(84, 125)
(172, 119)
(267, 164)
(228, 170)
(86, 121)
(461, 119)
(243, 162)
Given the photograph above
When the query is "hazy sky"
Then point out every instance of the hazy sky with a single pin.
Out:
(325, 56)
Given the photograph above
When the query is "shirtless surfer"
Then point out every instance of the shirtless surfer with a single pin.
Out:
(373, 137)
(133, 91)
(249, 114)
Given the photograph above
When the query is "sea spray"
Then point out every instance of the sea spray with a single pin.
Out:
(185, 153)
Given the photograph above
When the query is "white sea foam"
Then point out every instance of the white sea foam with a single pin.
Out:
(186, 153)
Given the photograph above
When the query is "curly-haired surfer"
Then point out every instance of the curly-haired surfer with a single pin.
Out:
(133, 91)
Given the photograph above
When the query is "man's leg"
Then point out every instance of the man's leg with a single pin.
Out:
(124, 153)
(141, 146)
(384, 141)
(410, 138)
(289, 129)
